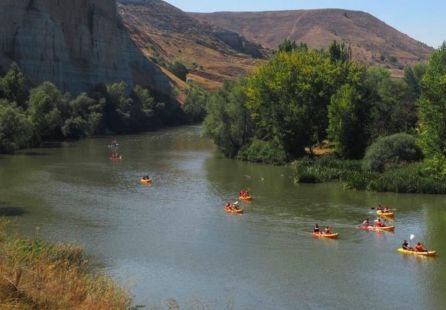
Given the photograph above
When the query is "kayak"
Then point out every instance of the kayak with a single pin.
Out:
(246, 198)
(385, 214)
(146, 182)
(323, 235)
(429, 253)
(233, 211)
(116, 158)
(378, 229)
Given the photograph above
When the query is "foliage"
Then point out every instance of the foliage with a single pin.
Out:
(392, 109)
(47, 106)
(179, 69)
(195, 105)
(288, 99)
(325, 169)
(391, 151)
(228, 121)
(432, 106)
(12, 86)
(263, 152)
(37, 275)
(339, 52)
(413, 77)
(15, 128)
(348, 115)
(289, 46)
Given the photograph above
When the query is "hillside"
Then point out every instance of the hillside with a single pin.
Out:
(372, 40)
(74, 44)
(166, 34)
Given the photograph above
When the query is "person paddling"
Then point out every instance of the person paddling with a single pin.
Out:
(316, 229)
(366, 223)
(420, 247)
(406, 246)
(327, 231)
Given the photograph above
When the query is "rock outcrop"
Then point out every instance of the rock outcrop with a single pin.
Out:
(76, 44)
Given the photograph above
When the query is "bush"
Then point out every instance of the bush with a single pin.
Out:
(392, 151)
(15, 128)
(179, 69)
(263, 152)
(195, 105)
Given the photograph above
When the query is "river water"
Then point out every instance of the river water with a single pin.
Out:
(171, 244)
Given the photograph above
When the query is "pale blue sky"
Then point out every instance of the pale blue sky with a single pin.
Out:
(424, 20)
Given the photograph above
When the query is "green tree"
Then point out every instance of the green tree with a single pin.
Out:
(48, 109)
(392, 109)
(288, 98)
(12, 86)
(347, 116)
(118, 108)
(432, 106)
(15, 128)
(339, 52)
(85, 115)
(179, 69)
(228, 122)
(289, 46)
(195, 105)
(413, 77)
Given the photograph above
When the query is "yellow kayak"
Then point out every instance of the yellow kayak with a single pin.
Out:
(429, 253)
(232, 210)
(385, 214)
(329, 236)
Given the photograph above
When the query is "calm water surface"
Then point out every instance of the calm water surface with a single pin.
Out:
(172, 243)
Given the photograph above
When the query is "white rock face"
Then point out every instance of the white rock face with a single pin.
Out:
(76, 44)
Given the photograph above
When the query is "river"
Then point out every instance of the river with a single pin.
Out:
(172, 244)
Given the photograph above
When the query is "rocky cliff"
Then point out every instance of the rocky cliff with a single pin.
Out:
(74, 43)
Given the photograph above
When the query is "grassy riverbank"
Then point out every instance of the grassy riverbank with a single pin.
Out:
(38, 275)
(410, 178)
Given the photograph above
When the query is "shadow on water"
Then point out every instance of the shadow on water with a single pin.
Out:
(12, 211)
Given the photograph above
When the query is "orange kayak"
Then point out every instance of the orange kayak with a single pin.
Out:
(246, 198)
(378, 229)
(145, 182)
(323, 235)
(233, 211)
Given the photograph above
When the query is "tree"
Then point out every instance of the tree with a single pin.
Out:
(289, 46)
(48, 109)
(288, 99)
(118, 108)
(179, 69)
(15, 128)
(195, 105)
(347, 116)
(413, 77)
(339, 52)
(432, 106)
(228, 121)
(392, 109)
(85, 117)
(12, 86)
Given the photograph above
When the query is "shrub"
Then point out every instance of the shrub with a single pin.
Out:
(15, 128)
(264, 152)
(391, 151)
(195, 105)
(179, 69)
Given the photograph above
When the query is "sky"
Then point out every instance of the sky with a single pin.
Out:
(424, 20)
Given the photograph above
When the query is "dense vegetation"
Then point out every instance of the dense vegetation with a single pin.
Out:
(37, 275)
(45, 113)
(304, 97)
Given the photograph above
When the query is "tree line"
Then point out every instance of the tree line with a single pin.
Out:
(30, 116)
(303, 97)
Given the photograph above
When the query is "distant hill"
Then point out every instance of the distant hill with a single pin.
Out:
(372, 41)
(166, 34)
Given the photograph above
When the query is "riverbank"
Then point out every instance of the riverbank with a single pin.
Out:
(411, 178)
(38, 275)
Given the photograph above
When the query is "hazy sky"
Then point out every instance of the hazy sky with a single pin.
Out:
(424, 20)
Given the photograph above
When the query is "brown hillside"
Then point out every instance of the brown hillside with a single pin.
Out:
(372, 41)
(167, 34)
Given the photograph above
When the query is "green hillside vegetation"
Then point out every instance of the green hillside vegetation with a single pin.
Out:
(303, 97)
